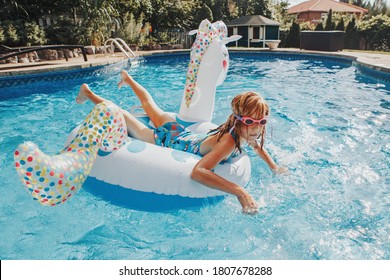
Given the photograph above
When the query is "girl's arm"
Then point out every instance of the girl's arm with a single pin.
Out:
(203, 173)
(267, 158)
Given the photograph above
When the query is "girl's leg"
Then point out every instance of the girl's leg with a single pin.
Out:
(135, 128)
(85, 94)
(156, 115)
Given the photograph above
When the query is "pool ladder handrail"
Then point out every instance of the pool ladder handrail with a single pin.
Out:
(122, 46)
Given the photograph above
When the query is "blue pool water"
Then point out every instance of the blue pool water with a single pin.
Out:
(329, 124)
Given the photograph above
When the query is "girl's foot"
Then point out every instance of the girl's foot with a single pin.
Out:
(249, 205)
(84, 94)
(125, 79)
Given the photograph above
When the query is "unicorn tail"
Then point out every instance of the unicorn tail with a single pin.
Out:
(52, 180)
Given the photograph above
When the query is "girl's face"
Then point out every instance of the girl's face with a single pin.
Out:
(252, 132)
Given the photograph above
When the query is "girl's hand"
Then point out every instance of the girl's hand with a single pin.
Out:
(249, 205)
(280, 170)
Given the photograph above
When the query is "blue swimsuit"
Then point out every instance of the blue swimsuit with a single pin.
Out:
(176, 136)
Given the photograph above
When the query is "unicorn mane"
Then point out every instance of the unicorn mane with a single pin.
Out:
(206, 33)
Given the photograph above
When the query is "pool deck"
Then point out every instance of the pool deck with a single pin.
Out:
(377, 61)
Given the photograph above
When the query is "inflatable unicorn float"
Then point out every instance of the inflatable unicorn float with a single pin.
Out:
(101, 157)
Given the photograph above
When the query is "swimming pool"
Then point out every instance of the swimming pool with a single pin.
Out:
(329, 125)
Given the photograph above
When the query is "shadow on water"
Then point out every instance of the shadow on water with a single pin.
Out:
(145, 201)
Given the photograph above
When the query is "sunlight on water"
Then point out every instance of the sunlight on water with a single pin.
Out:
(329, 124)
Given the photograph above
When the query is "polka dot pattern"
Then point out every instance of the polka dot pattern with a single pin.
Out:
(136, 146)
(207, 32)
(52, 180)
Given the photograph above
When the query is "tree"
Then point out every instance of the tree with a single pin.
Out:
(258, 7)
(319, 27)
(278, 10)
(203, 12)
(292, 39)
(13, 10)
(351, 39)
(359, 3)
(329, 25)
(172, 13)
(219, 8)
(95, 20)
(100, 17)
(252, 7)
(340, 25)
(379, 7)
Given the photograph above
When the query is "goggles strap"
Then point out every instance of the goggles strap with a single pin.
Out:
(234, 125)
(237, 117)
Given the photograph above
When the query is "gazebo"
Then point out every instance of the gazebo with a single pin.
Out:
(256, 31)
(317, 10)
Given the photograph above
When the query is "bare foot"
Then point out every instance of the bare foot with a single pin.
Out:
(83, 95)
(125, 79)
(249, 205)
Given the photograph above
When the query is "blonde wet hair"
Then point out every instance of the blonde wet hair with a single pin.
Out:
(244, 104)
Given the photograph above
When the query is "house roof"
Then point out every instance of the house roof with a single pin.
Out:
(252, 20)
(325, 6)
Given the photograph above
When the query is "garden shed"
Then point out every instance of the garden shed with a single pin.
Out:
(255, 30)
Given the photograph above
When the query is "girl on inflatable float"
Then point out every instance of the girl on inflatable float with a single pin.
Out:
(100, 155)
(245, 126)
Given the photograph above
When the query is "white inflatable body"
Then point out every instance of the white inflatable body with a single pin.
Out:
(126, 171)
(148, 177)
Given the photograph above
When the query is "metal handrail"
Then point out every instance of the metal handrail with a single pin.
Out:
(126, 46)
(118, 42)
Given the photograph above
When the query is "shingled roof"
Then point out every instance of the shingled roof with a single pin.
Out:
(252, 20)
(325, 6)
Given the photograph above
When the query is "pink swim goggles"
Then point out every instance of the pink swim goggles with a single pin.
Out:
(250, 121)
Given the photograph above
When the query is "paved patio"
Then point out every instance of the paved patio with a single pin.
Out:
(376, 61)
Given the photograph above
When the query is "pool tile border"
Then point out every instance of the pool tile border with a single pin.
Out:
(61, 75)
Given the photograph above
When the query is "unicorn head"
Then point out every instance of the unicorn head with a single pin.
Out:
(208, 67)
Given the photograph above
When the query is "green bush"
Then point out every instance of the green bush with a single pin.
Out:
(11, 35)
(306, 26)
(2, 35)
(376, 32)
(33, 35)
(65, 31)
(133, 31)
(19, 33)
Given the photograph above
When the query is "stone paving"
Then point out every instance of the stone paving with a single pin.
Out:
(377, 61)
